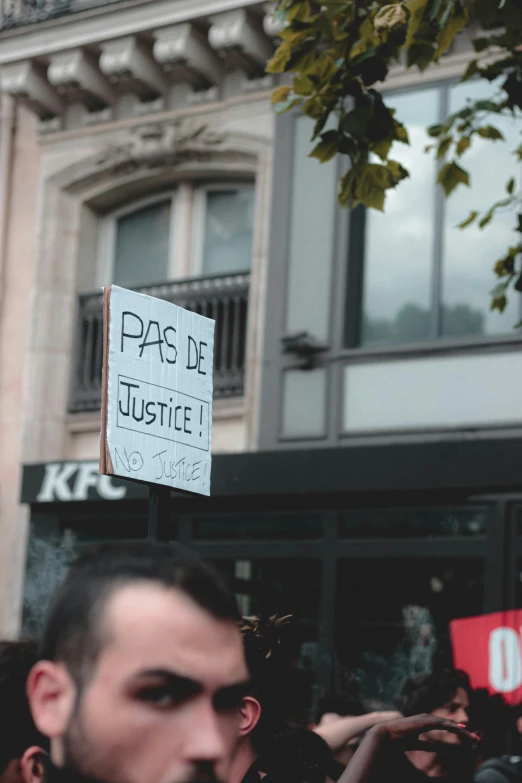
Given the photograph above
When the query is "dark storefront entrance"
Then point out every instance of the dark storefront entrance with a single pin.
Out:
(372, 575)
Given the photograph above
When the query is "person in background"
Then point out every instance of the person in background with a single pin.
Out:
(141, 671)
(262, 710)
(342, 723)
(441, 694)
(297, 755)
(500, 721)
(22, 747)
(380, 754)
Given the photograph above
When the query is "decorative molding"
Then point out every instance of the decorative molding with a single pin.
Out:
(76, 78)
(185, 55)
(29, 86)
(239, 40)
(142, 108)
(130, 67)
(255, 85)
(98, 117)
(154, 145)
(203, 96)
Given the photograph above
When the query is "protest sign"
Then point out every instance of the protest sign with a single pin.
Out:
(489, 649)
(157, 392)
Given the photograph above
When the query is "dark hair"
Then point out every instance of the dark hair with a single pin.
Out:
(428, 692)
(73, 631)
(17, 729)
(267, 645)
(296, 755)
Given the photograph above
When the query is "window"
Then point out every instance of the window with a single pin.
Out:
(137, 243)
(223, 229)
(191, 232)
(423, 278)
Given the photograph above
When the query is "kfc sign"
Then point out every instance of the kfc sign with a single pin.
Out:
(489, 649)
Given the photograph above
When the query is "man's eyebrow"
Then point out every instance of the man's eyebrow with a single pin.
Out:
(231, 695)
(173, 681)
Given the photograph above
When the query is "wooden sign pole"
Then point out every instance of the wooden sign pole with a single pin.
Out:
(159, 501)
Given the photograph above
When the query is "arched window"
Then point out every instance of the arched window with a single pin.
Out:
(193, 231)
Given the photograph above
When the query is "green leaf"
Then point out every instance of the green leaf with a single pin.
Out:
(499, 303)
(444, 145)
(450, 176)
(303, 85)
(480, 44)
(489, 132)
(486, 219)
(416, 9)
(325, 150)
(388, 16)
(299, 10)
(435, 130)
(470, 71)
(463, 144)
(280, 94)
(280, 59)
(400, 132)
(420, 54)
(511, 185)
(469, 220)
(449, 32)
(382, 148)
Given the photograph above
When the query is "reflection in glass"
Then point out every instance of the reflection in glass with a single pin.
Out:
(470, 254)
(289, 528)
(142, 245)
(229, 221)
(392, 619)
(399, 242)
(413, 522)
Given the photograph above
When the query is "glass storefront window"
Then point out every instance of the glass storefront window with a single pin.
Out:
(469, 255)
(392, 618)
(291, 527)
(423, 277)
(413, 522)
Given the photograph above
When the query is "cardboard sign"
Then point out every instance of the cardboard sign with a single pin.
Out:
(489, 649)
(157, 392)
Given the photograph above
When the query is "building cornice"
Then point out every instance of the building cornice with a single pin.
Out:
(88, 28)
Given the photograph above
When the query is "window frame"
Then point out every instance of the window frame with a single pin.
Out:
(355, 270)
(199, 201)
(108, 235)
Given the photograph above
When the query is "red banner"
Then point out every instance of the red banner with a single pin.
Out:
(489, 649)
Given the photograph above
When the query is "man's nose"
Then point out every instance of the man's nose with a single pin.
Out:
(205, 742)
(462, 716)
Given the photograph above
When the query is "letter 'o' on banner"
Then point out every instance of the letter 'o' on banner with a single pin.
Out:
(505, 664)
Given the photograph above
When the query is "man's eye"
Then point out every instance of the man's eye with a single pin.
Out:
(157, 696)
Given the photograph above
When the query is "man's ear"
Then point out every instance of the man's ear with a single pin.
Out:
(51, 693)
(250, 712)
(32, 765)
(519, 725)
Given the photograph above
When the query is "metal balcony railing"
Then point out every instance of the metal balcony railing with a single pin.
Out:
(223, 298)
(14, 13)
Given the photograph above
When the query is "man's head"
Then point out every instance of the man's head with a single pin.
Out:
(444, 693)
(21, 744)
(142, 668)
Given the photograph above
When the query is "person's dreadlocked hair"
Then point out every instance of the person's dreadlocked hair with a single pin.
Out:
(269, 662)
